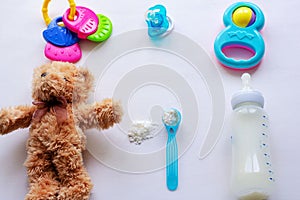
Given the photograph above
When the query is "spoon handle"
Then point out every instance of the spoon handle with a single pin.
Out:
(172, 163)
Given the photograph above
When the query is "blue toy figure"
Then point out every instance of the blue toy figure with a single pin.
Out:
(243, 21)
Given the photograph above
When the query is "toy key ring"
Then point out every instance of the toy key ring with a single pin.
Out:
(243, 21)
(63, 33)
(62, 44)
(46, 17)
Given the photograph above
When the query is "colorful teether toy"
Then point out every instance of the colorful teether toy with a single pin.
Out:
(159, 24)
(62, 44)
(63, 33)
(243, 21)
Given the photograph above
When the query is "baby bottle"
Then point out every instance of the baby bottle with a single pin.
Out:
(251, 176)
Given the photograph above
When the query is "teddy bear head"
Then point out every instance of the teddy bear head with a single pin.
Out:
(61, 79)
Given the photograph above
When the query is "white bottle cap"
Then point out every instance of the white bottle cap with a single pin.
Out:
(247, 94)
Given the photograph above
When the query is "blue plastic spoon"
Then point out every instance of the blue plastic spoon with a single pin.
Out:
(171, 120)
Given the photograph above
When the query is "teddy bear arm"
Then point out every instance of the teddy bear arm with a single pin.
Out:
(85, 116)
(101, 115)
(15, 117)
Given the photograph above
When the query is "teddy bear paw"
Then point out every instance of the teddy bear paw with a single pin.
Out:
(108, 113)
(44, 189)
(117, 111)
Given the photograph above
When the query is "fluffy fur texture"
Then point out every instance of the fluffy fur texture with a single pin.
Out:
(54, 163)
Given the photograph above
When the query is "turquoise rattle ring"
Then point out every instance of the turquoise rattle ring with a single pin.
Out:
(243, 21)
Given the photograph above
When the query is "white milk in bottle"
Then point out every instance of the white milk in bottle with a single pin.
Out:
(252, 176)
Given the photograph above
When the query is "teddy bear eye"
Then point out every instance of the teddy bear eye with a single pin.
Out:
(66, 79)
(44, 74)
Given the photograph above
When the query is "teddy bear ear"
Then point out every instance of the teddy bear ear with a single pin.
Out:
(83, 85)
(85, 77)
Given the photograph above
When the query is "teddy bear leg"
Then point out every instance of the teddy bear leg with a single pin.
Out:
(76, 188)
(46, 188)
(42, 177)
(75, 181)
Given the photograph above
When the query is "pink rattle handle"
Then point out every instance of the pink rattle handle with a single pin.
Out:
(84, 24)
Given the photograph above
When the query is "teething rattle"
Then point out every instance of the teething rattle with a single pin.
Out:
(62, 44)
(159, 24)
(243, 21)
(63, 33)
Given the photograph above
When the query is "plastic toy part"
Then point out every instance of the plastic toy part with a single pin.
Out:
(46, 17)
(104, 29)
(66, 54)
(84, 24)
(243, 17)
(171, 120)
(159, 24)
(243, 21)
(59, 35)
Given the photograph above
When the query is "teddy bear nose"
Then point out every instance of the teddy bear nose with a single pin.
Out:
(45, 87)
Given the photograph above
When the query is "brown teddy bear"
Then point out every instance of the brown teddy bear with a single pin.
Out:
(57, 119)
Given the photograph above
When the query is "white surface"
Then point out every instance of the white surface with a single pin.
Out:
(21, 50)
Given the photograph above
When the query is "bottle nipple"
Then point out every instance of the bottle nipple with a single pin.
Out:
(247, 93)
(246, 79)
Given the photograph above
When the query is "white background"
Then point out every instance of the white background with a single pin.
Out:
(21, 50)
